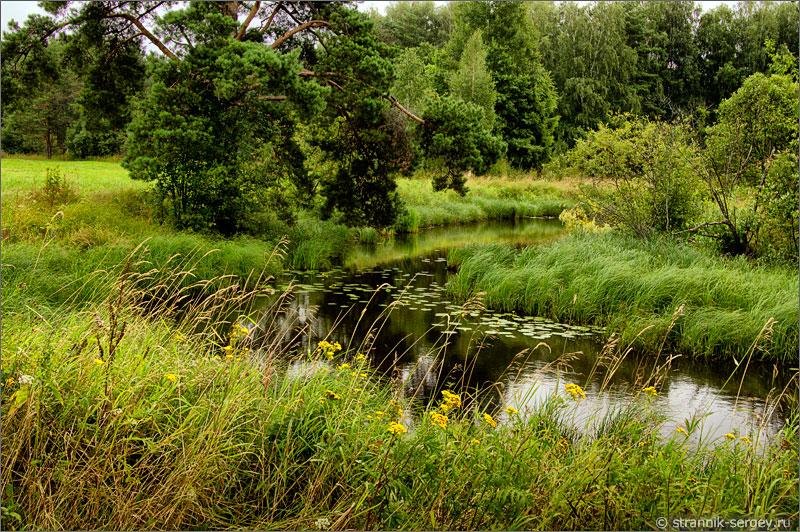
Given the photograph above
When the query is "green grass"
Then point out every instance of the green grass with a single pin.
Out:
(488, 199)
(114, 421)
(90, 176)
(633, 286)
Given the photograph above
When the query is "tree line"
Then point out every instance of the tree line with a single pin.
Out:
(237, 111)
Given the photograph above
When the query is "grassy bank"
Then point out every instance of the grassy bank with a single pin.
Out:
(488, 199)
(98, 215)
(113, 421)
(631, 285)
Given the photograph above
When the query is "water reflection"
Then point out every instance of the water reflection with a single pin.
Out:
(399, 315)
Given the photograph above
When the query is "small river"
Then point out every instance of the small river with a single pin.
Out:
(393, 294)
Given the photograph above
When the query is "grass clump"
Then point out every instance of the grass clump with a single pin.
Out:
(630, 285)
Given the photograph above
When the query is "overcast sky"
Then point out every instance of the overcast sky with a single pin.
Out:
(19, 11)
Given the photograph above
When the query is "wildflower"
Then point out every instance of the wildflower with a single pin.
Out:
(10, 381)
(99, 361)
(179, 338)
(378, 412)
(364, 375)
(356, 389)
(171, 377)
(745, 439)
(322, 524)
(730, 436)
(227, 348)
(511, 410)
(397, 428)
(360, 356)
(476, 441)
(343, 366)
(26, 379)
(439, 420)
(228, 356)
(650, 390)
(331, 395)
(641, 444)
(682, 430)
(576, 391)
(451, 399)
(488, 419)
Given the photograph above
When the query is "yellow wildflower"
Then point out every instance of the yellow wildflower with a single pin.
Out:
(682, 430)
(650, 390)
(171, 377)
(439, 420)
(451, 399)
(99, 361)
(378, 412)
(575, 390)
(343, 366)
(227, 348)
(730, 436)
(511, 410)
(475, 440)
(331, 395)
(364, 375)
(397, 428)
(179, 338)
(488, 419)
(360, 356)
(745, 439)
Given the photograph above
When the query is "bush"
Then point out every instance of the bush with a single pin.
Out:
(645, 175)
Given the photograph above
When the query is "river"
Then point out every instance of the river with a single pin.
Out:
(389, 301)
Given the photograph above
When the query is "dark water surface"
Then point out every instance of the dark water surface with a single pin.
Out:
(397, 290)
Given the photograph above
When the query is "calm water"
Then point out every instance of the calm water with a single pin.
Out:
(397, 291)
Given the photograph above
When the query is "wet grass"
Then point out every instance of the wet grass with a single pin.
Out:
(719, 306)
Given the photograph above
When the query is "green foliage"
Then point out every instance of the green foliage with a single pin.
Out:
(410, 24)
(472, 82)
(455, 139)
(757, 125)
(215, 149)
(646, 175)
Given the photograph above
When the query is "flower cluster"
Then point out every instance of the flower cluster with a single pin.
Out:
(682, 431)
(396, 428)
(450, 401)
(488, 419)
(511, 410)
(328, 349)
(439, 420)
(650, 390)
(331, 395)
(576, 391)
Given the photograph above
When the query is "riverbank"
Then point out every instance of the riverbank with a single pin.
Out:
(116, 421)
(728, 307)
(95, 215)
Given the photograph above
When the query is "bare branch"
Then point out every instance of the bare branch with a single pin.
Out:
(698, 227)
(136, 22)
(408, 113)
(310, 24)
(246, 23)
(266, 26)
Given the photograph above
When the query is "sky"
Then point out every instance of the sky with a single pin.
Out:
(19, 11)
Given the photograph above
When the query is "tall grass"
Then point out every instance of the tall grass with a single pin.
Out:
(488, 199)
(117, 421)
(631, 285)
